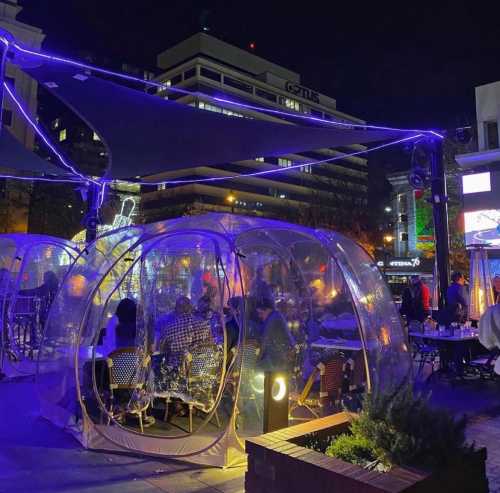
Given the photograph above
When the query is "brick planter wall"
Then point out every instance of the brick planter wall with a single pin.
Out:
(277, 464)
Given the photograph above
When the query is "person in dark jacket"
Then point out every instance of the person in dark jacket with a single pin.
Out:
(277, 342)
(416, 300)
(457, 299)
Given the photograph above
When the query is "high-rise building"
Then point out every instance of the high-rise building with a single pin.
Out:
(481, 179)
(14, 196)
(207, 66)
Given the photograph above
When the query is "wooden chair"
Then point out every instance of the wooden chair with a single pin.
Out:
(127, 371)
(331, 374)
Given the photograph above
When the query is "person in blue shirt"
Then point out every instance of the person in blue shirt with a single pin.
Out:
(457, 299)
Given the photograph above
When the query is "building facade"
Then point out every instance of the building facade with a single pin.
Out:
(205, 66)
(481, 178)
(411, 246)
(14, 196)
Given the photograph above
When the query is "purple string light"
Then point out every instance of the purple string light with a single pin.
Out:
(102, 191)
(45, 139)
(214, 98)
(279, 170)
(39, 178)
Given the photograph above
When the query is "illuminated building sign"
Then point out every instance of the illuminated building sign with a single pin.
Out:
(301, 91)
(417, 264)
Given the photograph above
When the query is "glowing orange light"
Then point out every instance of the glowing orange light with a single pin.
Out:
(385, 337)
(76, 285)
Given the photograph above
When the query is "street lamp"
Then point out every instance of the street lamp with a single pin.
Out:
(231, 198)
(388, 239)
(388, 209)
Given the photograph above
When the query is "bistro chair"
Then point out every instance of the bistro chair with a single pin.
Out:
(203, 377)
(127, 371)
(484, 366)
(196, 382)
(425, 354)
(25, 320)
(331, 375)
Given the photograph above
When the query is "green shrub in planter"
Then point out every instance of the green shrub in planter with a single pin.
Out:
(356, 449)
(399, 428)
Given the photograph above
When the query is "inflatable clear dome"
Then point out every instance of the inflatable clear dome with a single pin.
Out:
(31, 269)
(162, 335)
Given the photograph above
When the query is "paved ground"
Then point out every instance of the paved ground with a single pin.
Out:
(37, 457)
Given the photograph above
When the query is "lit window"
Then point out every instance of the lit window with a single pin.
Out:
(56, 123)
(62, 135)
(162, 186)
(292, 104)
(95, 137)
(260, 159)
(209, 107)
(478, 182)
(307, 168)
(231, 113)
(284, 163)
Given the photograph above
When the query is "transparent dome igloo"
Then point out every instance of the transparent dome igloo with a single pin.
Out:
(168, 329)
(31, 269)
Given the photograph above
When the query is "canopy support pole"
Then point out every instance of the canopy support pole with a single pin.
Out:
(92, 218)
(3, 326)
(440, 213)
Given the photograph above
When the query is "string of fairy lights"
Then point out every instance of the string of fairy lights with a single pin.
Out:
(103, 182)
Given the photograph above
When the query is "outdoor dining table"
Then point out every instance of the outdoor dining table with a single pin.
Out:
(455, 351)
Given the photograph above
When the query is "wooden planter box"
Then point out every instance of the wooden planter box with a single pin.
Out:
(277, 463)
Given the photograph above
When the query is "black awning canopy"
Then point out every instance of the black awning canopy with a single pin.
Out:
(146, 134)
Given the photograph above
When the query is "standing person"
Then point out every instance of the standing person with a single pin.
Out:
(457, 299)
(496, 288)
(277, 341)
(416, 300)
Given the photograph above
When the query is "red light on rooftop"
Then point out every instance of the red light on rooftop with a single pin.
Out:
(252, 45)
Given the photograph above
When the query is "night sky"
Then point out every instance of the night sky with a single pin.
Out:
(411, 64)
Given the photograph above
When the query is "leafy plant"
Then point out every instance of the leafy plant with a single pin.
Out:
(356, 449)
(400, 428)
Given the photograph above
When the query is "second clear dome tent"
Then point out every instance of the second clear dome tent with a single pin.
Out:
(230, 263)
(32, 267)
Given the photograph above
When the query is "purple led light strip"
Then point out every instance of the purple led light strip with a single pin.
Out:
(35, 127)
(278, 170)
(39, 178)
(214, 98)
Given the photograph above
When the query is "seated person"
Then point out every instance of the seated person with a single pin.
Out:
(121, 329)
(47, 289)
(180, 332)
(489, 331)
(46, 292)
(277, 342)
